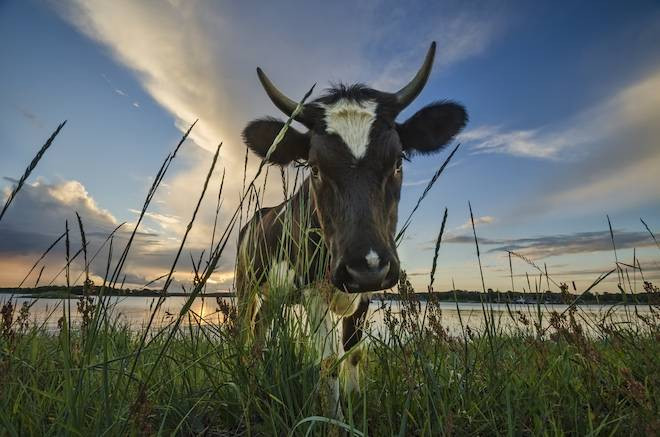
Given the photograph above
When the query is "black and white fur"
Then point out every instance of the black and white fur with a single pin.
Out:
(354, 148)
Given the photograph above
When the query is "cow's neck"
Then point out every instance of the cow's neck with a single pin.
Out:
(305, 198)
(302, 202)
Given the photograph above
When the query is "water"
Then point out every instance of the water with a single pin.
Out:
(136, 311)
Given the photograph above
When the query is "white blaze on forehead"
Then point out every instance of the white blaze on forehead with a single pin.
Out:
(352, 121)
(373, 260)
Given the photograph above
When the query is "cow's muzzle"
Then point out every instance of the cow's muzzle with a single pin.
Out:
(360, 277)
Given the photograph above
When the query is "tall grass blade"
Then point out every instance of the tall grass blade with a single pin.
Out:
(476, 243)
(75, 255)
(217, 209)
(533, 264)
(168, 280)
(437, 248)
(83, 239)
(513, 287)
(619, 272)
(91, 260)
(428, 187)
(30, 167)
(43, 255)
(36, 283)
(488, 320)
(650, 232)
(67, 245)
(150, 194)
(192, 221)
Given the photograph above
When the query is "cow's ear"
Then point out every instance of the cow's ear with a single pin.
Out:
(259, 135)
(432, 127)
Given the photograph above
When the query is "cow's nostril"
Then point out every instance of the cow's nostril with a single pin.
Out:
(369, 278)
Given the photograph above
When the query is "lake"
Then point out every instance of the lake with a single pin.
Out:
(135, 312)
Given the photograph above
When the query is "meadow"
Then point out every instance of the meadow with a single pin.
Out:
(98, 376)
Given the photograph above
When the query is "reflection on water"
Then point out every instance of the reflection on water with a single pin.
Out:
(132, 311)
(136, 311)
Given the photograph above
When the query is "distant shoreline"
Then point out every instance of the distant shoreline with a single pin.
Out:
(76, 292)
(503, 297)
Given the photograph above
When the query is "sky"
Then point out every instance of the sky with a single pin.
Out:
(563, 100)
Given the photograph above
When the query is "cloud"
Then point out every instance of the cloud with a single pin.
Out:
(124, 94)
(461, 31)
(20, 242)
(523, 143)
(416, 183)
(620, 166)
(200, 70)
(39, 205)
(37, 217)
(650, 271)
(606, 150)
(631, 110)
(163, 220)
(545, 246)
(29, 116)
(484, 220)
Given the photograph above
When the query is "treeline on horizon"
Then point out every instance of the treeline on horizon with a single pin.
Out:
(491, 296)
(496, 296)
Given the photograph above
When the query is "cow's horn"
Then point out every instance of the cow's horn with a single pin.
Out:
(282, 102)
(407, 94)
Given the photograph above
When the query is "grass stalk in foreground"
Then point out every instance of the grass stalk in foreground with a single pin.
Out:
(436, 250)
(30, 167)
(150, 195)
(168, 280)
(428, 187)
(43, 255)
(650, 232)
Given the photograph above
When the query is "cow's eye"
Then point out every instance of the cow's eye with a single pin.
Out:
(315, 171)
(399, 165)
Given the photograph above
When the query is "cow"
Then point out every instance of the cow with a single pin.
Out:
(334, 238)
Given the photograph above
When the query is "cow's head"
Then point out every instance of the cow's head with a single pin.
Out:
(354, 148)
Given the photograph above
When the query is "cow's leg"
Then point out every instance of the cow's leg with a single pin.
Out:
(324, 335)
(257, 323)
(248, 292)
(352, 327)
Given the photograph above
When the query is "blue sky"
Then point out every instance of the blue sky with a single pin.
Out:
(564, 104)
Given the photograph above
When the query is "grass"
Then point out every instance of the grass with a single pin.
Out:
(193, 376)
